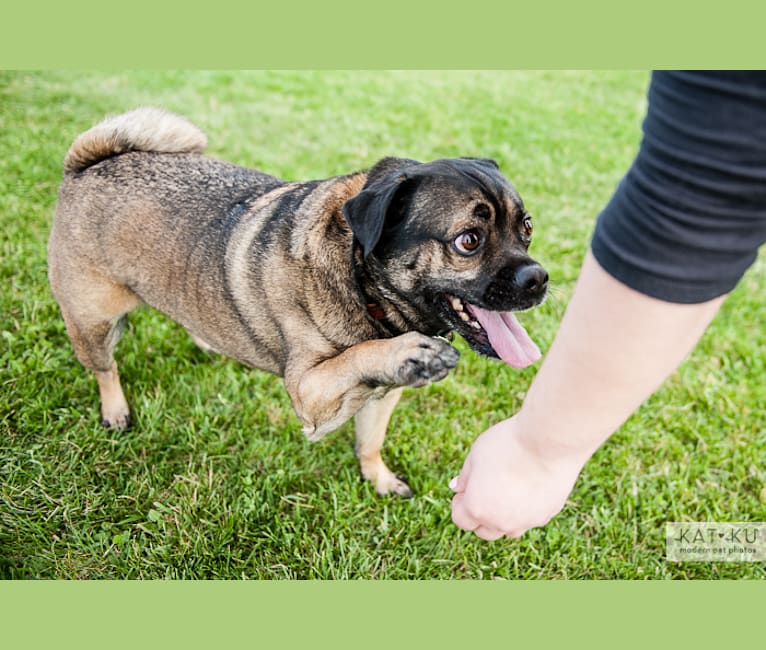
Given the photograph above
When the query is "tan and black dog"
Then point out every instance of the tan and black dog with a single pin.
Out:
(341, 286)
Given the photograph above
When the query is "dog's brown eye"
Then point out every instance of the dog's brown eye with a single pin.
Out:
(468, 242)
(527, 223)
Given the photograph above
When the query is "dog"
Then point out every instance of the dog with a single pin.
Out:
(345, 287)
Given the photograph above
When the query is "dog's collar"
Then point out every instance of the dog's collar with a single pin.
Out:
(374, 308)
(378, 314)
(376, 311)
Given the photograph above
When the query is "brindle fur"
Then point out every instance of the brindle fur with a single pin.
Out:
(269, 272)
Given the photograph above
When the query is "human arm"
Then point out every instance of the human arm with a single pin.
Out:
(614, 348)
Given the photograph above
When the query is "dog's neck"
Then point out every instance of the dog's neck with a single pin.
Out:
(376, 311)
(385, 308)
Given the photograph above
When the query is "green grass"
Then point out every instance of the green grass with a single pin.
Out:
(216, 480)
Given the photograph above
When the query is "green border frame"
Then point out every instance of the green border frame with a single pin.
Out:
(353, 35)
(370, 614)
(391, 34)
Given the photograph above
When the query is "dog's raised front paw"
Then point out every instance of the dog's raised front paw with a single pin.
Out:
(423, 359)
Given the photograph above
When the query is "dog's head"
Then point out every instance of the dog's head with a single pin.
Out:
(450, 238)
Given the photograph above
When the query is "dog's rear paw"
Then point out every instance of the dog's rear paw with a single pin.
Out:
(424, 359)
(116, 418)
(115, 413)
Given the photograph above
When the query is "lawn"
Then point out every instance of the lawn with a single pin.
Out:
(216, 480)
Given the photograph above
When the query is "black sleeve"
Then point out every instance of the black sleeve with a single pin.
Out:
(687, 219)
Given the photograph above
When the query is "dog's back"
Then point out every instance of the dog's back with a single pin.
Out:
(142, 215)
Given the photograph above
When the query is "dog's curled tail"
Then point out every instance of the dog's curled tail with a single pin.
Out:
(143, 129)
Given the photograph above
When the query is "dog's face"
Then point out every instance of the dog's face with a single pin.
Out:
(451, 239)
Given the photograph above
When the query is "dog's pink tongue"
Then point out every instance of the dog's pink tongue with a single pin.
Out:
(508, 337)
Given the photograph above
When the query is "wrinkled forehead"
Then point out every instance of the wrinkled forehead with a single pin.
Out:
(472, 181)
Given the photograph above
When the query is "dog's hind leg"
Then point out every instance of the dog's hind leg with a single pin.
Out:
(371, 422)
(94, 311)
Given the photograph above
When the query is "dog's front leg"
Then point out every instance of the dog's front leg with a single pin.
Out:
(370, 424)
(332, 390)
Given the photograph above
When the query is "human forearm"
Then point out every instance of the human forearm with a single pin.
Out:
(614, 348)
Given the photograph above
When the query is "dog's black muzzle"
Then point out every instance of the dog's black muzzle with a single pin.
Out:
(517, 286)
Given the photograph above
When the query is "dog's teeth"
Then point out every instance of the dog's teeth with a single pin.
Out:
(464, 316)
(457, 305)
(475, 325)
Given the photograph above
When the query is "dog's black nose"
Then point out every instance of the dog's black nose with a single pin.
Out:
(531, 278)
(519, 285)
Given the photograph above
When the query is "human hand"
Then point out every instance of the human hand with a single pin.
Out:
(507, 486)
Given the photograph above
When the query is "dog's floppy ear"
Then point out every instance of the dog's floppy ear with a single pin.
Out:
(381, 203)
